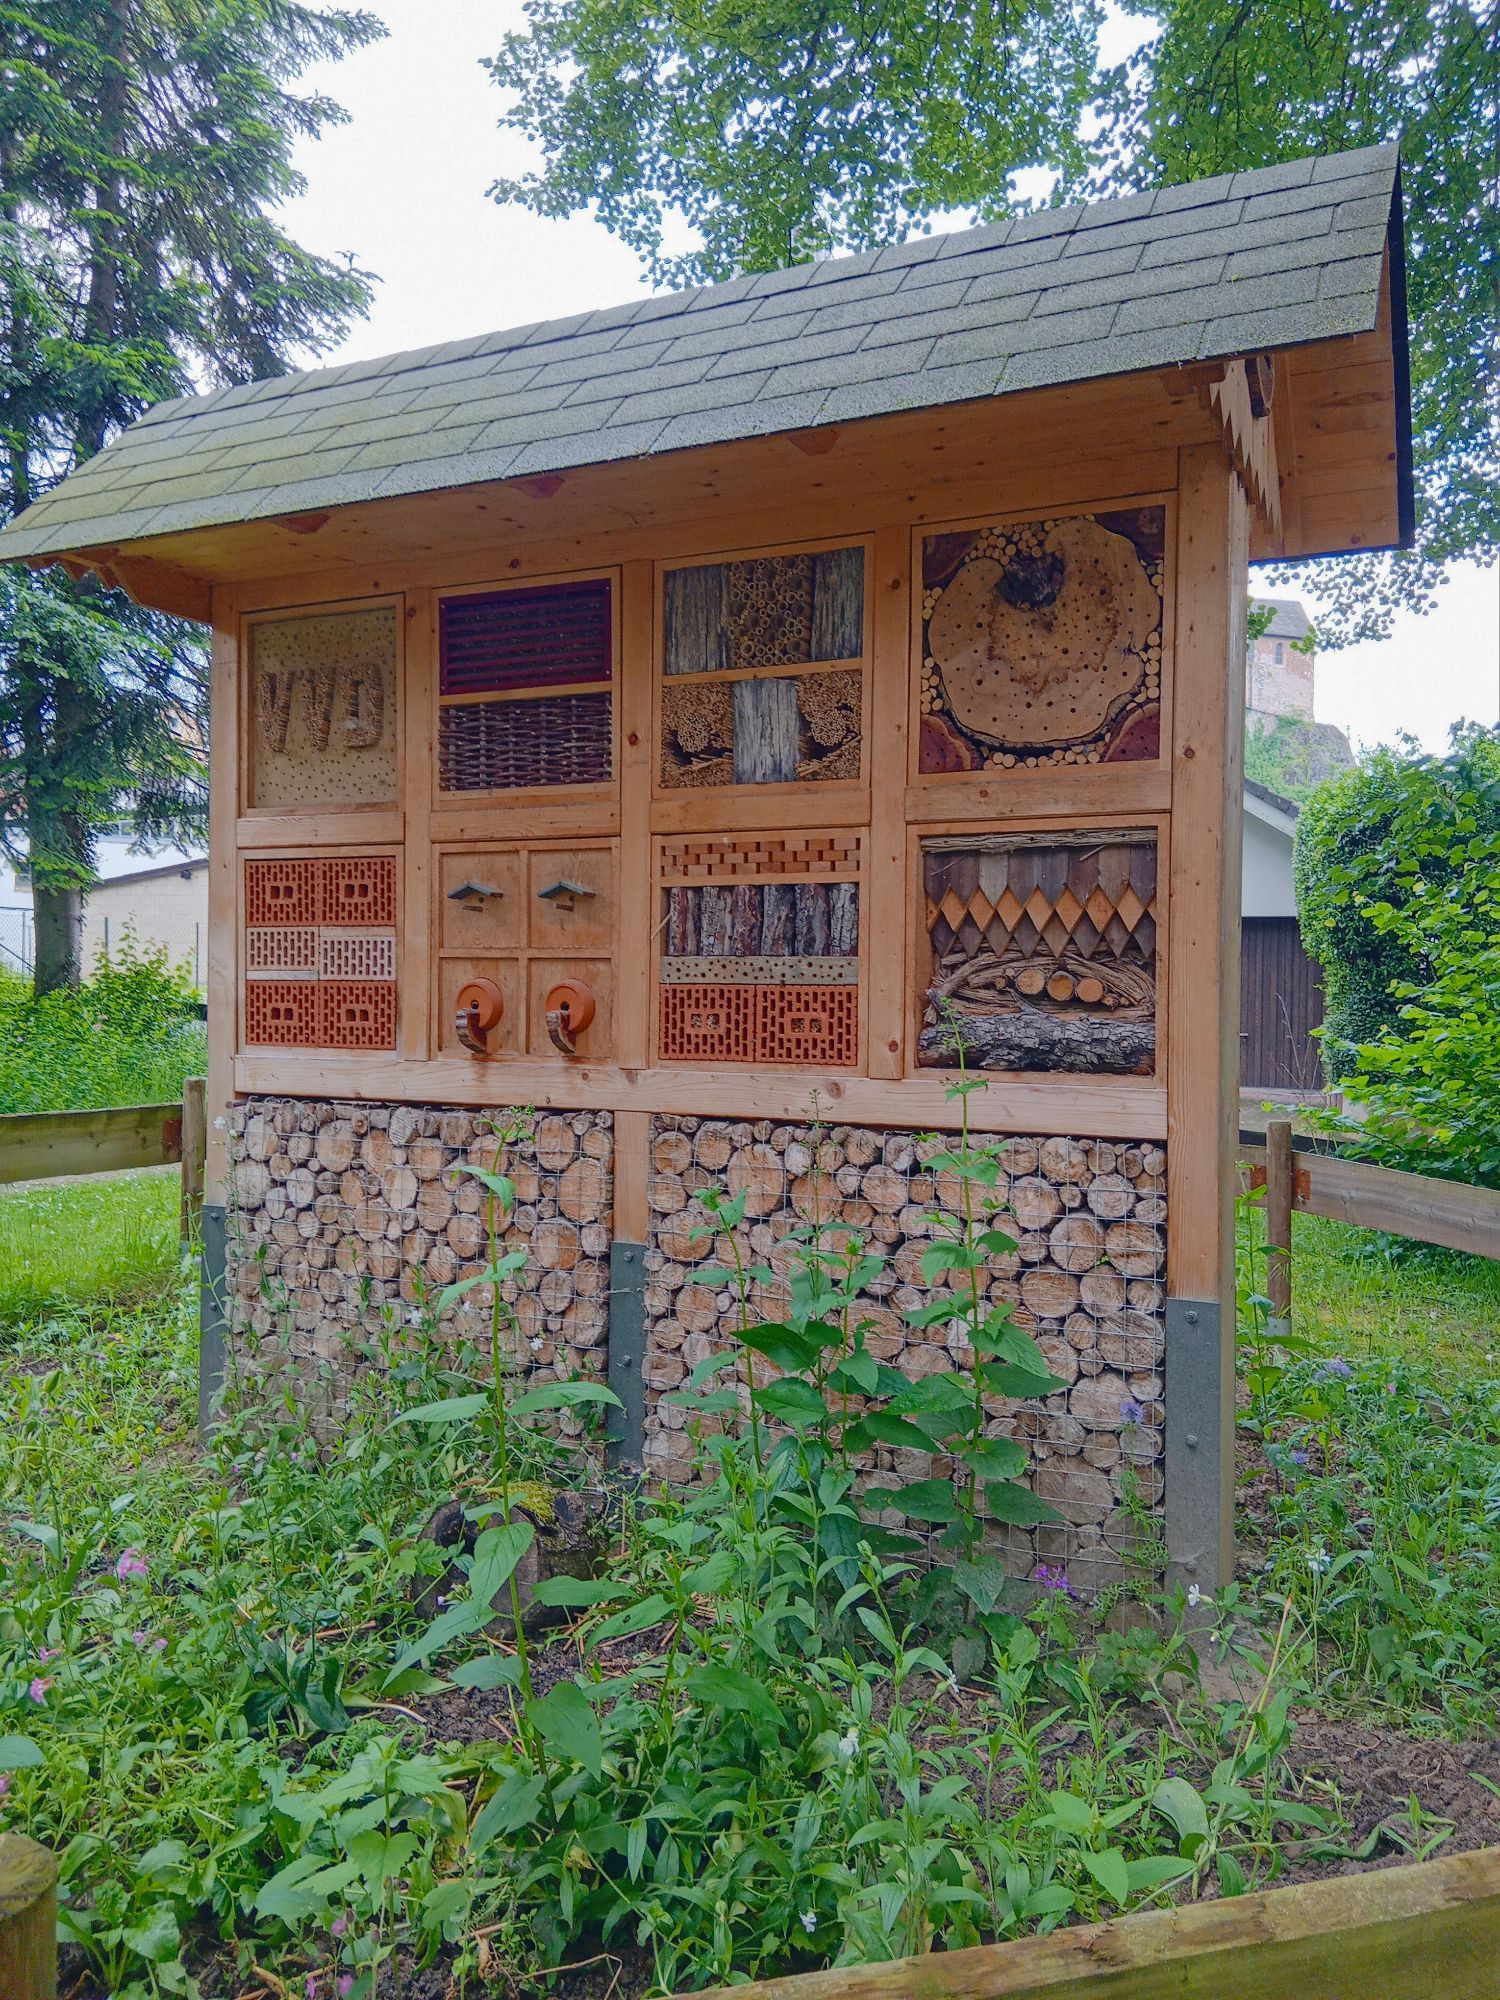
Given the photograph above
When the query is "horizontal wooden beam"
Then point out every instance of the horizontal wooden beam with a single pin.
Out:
(1092, 1107)
(41, 1145)
(1431, 1929)
(1448, 1213)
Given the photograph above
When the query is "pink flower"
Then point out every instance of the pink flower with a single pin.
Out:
(46, 1653)
(340, 1924)
(4, 1783)
(346, 1985)
(132, 1563)
(310, 1986)
(158, 1645)
(38, 1688)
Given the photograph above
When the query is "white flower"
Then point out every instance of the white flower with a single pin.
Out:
(809, 1922)
(849, 1744)
(1195, 1597)
(535, 1343)
(1319, 1560)
(222, 1125)
(414, 1317)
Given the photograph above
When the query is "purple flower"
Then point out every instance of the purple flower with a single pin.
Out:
(46, 1653)
(340, 1924)
(1053, 1579)
(346, 1985)
(1297, 1457)
(310, 1986)
(1336, 1369)
(132, 1563)
(38, 1689)
(4, 1783)
(1132, 1412)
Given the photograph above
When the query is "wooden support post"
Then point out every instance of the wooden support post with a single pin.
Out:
(194, 1153)
(1279, 1223)
(1203, 1009)
(28, 1919)
(223, 889)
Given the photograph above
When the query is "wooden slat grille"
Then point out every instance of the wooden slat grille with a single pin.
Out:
(552, 636)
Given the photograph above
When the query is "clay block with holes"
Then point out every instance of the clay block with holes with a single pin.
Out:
(283, 892)
(356, 954)
(357, 1014)
(284, 951)
(707, 1023)
(282, 1014)
(807, 1024)
(359, 889)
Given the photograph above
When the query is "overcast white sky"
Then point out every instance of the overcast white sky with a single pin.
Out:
(402, 189)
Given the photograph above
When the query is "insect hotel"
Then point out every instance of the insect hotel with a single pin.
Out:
(709, 721)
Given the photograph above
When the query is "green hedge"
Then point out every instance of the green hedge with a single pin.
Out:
(129, 1035)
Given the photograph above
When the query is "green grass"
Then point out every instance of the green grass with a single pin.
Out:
(129, 1035)
(1427, 1308)
(108, 1243)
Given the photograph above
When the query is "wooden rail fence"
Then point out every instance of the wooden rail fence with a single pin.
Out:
(46, 1145)
(1430, 1931)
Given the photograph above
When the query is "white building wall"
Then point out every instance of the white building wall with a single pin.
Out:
(1266, 889)
(168, 910)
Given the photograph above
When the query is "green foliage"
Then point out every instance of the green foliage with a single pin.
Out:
(1293, 757)
(780, 133)
(1398, 831)
(129, 1036)
(1379, 1520)
(146, 148)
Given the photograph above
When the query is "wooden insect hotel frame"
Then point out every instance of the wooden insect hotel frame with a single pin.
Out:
(711, 721)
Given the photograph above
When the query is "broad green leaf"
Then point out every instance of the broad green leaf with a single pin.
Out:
(496, 1554)
(1003, 1378)
(1155, 1869)
(634, 1618)
(858, 1372)
(996, 1458)
(785, 1347)
(157, 1938)
(1110, 1870)
(1180, 1802)
(926, 1500)
(511, 1806)
(881, 1427)
(489, 1670)
(452, 1410)
(726, 1687)
(563, 1396)
(791, 1401)
(573, 1593)
(982, 1582)
(19, 1753)
(1072, 1814)
(498, 1184)
(568, 1723)
(1017, 1505)
(1231, 1876)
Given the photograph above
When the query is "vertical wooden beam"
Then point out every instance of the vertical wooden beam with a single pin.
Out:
(417, 774)
(222, 983)
(28, 1919)
(883, 884)
(637, 946)
(194, 1149)
(1279, 1170)
(1204, 1005)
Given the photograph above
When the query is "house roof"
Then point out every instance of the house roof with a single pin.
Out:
(1240, 263)
(1288, 619)
(1273, 808)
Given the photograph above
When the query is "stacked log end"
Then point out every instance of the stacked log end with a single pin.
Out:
(1087, 1279)
(347, 1219)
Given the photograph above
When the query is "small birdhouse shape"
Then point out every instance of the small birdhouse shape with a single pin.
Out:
(474, 895)
(564, 895)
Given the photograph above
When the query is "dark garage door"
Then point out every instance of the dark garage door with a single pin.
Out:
(1281, 1002)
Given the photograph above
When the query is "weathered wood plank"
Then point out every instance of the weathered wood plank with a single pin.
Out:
(1448, 1213)
(41, 1145)
(766, 726)
(696, 606)
(28, 1919)
(1431, 1929)
(838, 612)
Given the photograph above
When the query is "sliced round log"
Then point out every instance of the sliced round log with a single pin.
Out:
(1077, 1243)
(583, 1191)
(757, 1172)
(556, 1143)
(1034, 1203)
(1134, 1249)
(1050, 1294)
(1060, 986)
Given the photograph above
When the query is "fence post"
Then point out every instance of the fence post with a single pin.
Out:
(194, 1153)
(1280, 1167)
(28, 1919)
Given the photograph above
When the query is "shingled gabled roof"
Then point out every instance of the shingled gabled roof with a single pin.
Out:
(1240, 263)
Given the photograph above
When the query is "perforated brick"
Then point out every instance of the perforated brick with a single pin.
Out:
(282, 1013)
(707, 1023)
(357, 1014)
(283, 892)
(356, 954)
(359, 889)
(807, 1024)
(288, 951)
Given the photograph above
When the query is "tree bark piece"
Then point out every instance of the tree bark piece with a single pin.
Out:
(765, 732)
(1081, 1044)
(697, 620)
(838, 616)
